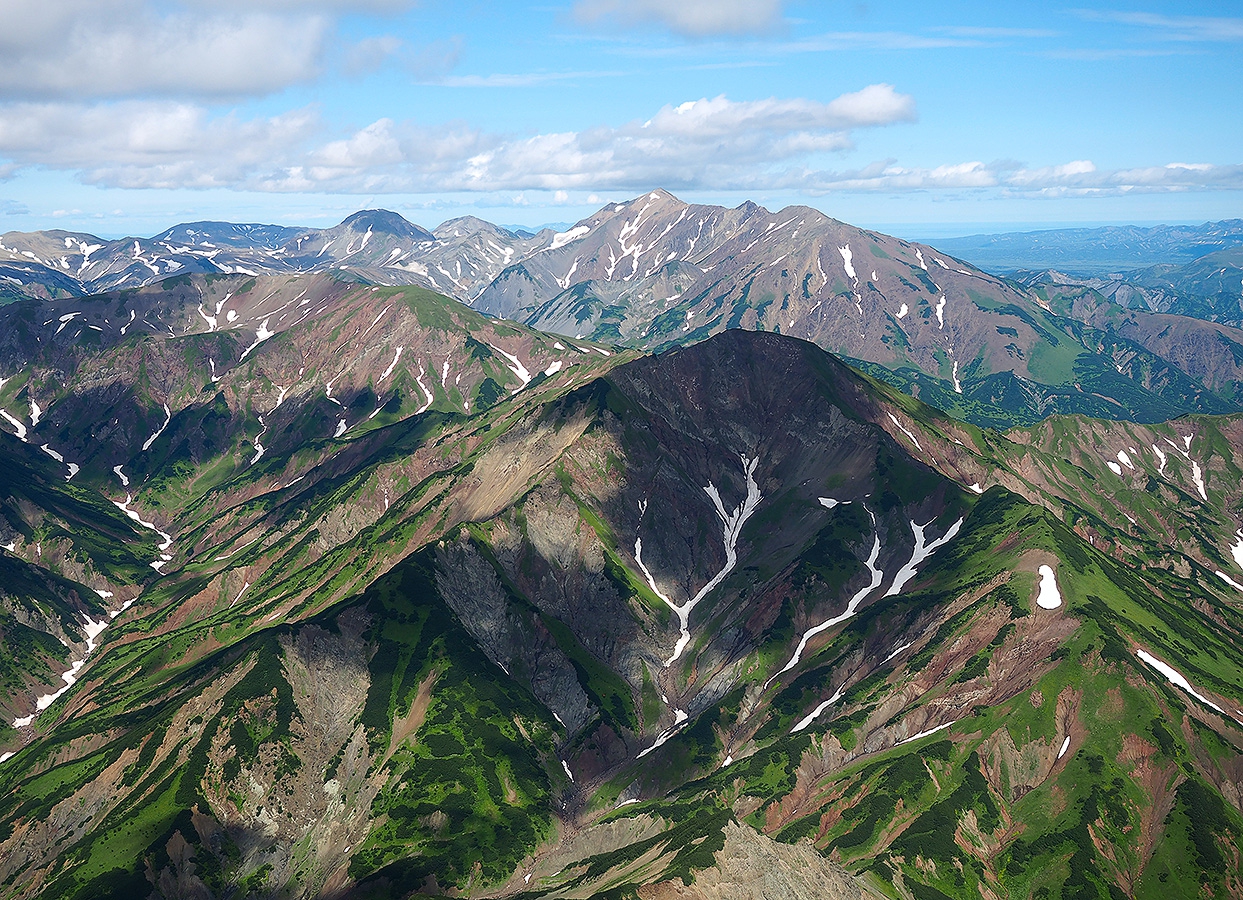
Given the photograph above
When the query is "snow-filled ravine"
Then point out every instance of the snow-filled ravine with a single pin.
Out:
(732, 522)
(921, 552)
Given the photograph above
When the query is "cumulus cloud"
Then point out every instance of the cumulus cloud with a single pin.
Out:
(74, 49)
(707, 144)
(149, 144)
(170, 144)
(689, 18)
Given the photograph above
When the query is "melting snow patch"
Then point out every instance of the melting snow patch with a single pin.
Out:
(560, 239)
(19, 427)
(851, 606)
(121, 475)
(815, 713)
(903, 311)
(389, 371)
(1050, 597)
(732, 523)
(1176, 678)
(1065, 747)
(1198, 477)
(914, 441)
(1237, 550)
(340, 429)
(847, 264)
(1228, 580)
(553, 369)
(924, 734)
(515, 366)
(168, 417)
(35, 413)
(260, 336)
(1125, 460)
(921, 552)
(954, 375)
(941, 312)
(1161, 457)
(1114, 467)
(975, 488)
(828, 502)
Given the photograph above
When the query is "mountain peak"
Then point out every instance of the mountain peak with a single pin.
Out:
(384, 221)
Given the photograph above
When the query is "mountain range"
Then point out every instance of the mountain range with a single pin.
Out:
(656, 272)
(316, 586)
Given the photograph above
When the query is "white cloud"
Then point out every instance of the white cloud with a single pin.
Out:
(708, 144)
(114, 48)
(1174, 28)
(690, 18)
(148, 144)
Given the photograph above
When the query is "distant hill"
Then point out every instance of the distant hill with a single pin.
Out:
(1115, 248)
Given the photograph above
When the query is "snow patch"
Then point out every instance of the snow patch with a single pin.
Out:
(389, 371)
(1125, 460)
(562, 238)
(914, 440)
(732, 523)
(921, 552)
(847, 262)
(260, 336)
(924, 734)
(1114, 467)
(1050, 597)
(168, 417)
(1176, 678)
(815, 713)
(20, 427)
(1065, 747)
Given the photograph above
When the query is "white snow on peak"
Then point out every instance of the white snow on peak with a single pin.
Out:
(1176, 678)
(914, 440)
(1050, 597)
(902, 311)
(921, 552)
(562, 238)
(847, 261)
(168, 417)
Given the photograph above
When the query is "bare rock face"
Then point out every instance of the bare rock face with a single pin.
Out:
(752, 865)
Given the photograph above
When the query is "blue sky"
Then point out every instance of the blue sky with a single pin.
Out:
(127, 116)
